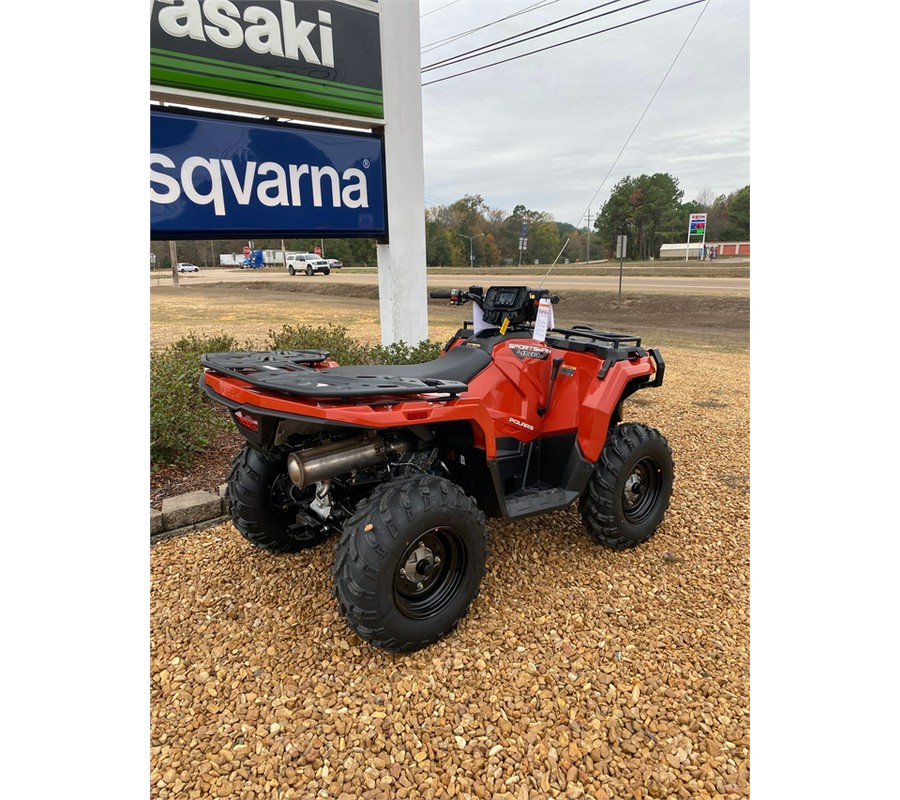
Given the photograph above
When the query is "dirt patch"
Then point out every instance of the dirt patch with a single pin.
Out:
(251, 310)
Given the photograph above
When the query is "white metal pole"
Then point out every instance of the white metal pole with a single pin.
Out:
(401, 263)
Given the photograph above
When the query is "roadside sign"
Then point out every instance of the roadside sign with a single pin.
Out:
(217, 176)
(621, 246)
(273, 56)
(697, 225)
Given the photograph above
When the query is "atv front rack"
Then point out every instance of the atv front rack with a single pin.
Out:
(604, 337)
(612, 347)
(285, 371)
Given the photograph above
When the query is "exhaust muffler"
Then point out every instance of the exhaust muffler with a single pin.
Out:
(306, 467)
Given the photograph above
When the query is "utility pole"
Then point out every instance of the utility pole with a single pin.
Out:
(470, 238)
(589, 235)
(173, 257)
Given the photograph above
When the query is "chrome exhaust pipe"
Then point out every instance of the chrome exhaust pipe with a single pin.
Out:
(306, 467)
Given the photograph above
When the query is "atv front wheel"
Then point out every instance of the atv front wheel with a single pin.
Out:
(265, 503)
(410, 562)
(629, 490)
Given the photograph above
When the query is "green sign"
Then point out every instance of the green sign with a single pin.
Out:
(323, 56)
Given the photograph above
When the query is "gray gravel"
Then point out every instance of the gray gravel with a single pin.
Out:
(579, 671)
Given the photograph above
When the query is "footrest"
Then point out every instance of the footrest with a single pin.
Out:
(537, 500)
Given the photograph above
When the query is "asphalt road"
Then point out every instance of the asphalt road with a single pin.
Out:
(666, 284)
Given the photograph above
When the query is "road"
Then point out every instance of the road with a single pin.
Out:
(663, 284)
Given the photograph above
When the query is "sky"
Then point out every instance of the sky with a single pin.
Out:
(556, 130)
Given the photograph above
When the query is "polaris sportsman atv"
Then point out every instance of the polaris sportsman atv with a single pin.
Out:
(516, 417)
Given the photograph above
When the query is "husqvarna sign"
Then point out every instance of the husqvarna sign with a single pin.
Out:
(322, 55)
(217, 176)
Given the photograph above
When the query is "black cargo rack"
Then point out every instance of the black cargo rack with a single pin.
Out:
(611, 347)
(285, 371)
(604, 337)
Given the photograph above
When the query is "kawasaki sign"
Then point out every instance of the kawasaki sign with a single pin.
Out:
(298, 53)
(213, 176)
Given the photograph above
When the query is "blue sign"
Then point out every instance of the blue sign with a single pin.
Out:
(214, 176)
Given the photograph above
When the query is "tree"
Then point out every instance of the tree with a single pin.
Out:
(645, 208)
(737, 212)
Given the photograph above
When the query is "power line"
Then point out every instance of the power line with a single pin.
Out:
(568, 41)
(441, 42)
(644, 112)
(523, 37)
(560, 44)
(440, 8)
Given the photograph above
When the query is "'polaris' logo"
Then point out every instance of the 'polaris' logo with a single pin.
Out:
(265, 33)
(521, 424)
(205, 180)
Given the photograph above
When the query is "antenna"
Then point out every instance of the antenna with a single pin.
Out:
(553, 264)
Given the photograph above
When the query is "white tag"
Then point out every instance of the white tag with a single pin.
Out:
(544, 320)
(478, 319)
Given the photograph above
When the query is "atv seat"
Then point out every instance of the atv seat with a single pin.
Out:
(460, 364)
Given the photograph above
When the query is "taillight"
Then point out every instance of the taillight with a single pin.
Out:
(246, 421)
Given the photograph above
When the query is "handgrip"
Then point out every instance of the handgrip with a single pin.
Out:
(440, 295)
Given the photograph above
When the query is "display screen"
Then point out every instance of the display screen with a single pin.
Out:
(505, 297)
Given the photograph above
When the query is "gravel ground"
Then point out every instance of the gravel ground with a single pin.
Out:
(579, 671)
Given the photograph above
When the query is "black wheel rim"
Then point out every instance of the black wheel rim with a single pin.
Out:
(285, 497)
(641, 490)
(429, 573)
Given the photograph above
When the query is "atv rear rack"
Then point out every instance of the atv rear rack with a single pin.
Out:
(285, 371)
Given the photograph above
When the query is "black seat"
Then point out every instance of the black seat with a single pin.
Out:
(459, 364)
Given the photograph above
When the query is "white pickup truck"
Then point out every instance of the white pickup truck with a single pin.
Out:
(309, 263)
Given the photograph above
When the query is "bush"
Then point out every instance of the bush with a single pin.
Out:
(333, 338)
(344, 349)
(184, 421)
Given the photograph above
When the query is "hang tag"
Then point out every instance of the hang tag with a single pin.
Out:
(478, 319)
(544, 320)
(504, 326)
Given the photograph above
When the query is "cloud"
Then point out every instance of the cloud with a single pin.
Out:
(546, 130)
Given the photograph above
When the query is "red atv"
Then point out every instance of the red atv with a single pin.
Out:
(516, 417)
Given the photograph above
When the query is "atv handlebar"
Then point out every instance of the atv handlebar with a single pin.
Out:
(460, 296)
(500, 306)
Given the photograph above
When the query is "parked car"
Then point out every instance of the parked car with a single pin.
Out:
(186, 266)
(334, 263)
(309, 263)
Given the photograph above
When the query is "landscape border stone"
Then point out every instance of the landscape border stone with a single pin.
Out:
(189, 512)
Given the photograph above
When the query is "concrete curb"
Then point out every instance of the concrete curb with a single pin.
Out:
(189, 512)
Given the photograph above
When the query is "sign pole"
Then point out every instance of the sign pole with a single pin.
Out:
(621, 247)
(402, 285)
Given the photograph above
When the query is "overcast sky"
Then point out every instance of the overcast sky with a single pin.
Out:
(545, 130)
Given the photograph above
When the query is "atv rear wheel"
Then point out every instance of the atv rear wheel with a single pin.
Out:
(629, 490)
(410, 562)
(265, 502)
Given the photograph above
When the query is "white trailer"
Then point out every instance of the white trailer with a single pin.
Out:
(231, 259)
(677, 251)
(273, 258)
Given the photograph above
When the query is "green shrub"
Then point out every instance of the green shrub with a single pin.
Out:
(333, 338)
(184, 421)
(346, 350)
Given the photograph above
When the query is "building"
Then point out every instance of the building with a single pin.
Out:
(719, 249)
